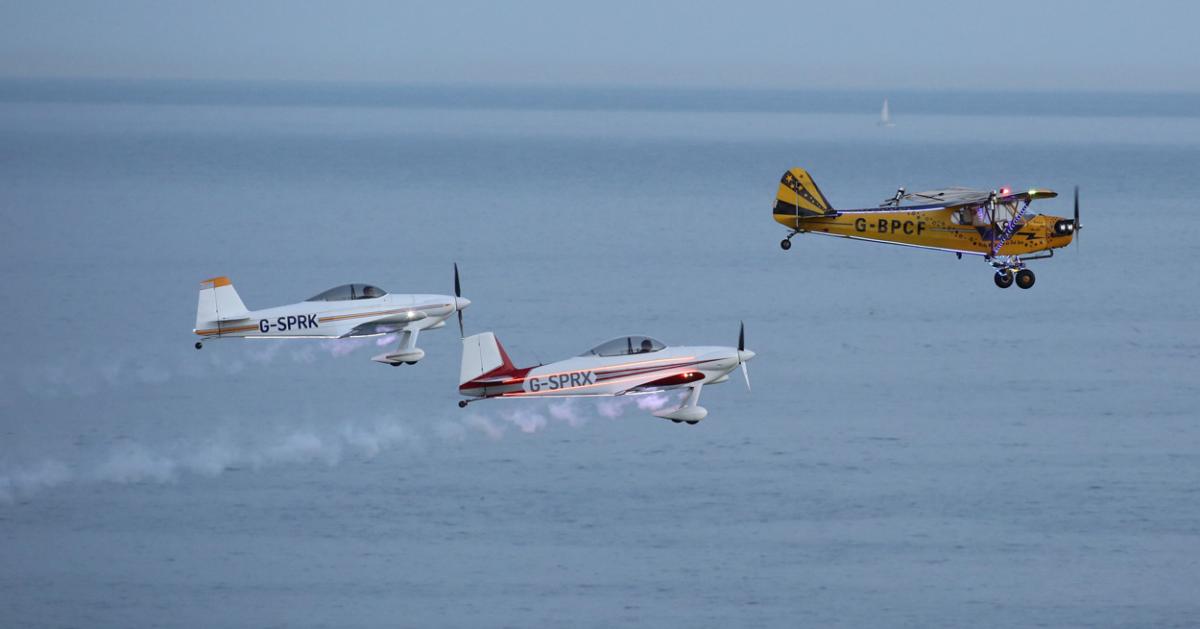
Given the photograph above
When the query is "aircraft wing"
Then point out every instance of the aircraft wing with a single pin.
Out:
(951, 197)
(1028, 195)
(385, 324)
(947, 197)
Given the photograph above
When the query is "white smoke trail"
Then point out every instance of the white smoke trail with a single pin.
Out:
(526, 419)
(653, 401)
(133, 462)
(21, 483)
(343, 347)
(98, 370)
(564, 410)
(483, 424)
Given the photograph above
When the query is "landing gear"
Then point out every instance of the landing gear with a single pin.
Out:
(410, 362)
(677, 421)
(199, 345)
(1011, 269)
(786, 243)
(1025, 278)
(462, 403)
(1003, 278)
(693, 423)
(689, 411)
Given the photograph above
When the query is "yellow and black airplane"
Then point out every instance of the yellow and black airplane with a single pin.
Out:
(994, 224)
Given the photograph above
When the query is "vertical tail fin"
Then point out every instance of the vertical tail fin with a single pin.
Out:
(218, 302)
(799, 196)
(483, 355)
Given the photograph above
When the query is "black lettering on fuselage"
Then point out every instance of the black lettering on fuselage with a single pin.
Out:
(892, 226)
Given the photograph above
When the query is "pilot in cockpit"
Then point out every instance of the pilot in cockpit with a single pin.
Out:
(647, 346)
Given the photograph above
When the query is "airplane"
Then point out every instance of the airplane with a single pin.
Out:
(346, 311)
(996, 225)
(626, 365)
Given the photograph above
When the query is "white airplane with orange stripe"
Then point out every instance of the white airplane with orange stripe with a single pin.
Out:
(347, 311)
(626, 365)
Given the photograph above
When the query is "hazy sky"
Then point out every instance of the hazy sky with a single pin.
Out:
(914, 43)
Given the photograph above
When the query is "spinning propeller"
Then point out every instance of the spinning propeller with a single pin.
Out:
(457, 297)
(1077, 225)
(744, 355)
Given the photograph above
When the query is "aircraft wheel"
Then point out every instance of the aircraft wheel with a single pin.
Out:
(1025, 278)
(411, 362)
(693, 423)
(1003, 279)
(395, 364)
(677, 421)
(462, 403)
(785, 244)
(199, 344)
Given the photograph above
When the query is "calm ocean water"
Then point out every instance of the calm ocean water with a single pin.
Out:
(920, 449)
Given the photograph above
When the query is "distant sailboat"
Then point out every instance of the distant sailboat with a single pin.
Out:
(885, 117)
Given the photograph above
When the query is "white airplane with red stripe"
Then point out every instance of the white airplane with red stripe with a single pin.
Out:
(347, 311)
(626, 365)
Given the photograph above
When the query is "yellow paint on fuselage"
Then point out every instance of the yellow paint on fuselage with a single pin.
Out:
(931, 228)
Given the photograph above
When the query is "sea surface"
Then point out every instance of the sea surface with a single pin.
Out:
(920, 448)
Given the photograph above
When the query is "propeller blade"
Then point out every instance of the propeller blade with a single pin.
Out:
(458, 293)
(742, 336)
(1076, 217)
(746, 372)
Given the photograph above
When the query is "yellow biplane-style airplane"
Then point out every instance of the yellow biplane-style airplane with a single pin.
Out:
(994, 224)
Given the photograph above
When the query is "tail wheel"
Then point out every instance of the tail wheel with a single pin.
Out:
(1003, 278)
(785, 244)
(1025, 278)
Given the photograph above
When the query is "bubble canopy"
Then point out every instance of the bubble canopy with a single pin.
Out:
(625, 346)
(348, 292)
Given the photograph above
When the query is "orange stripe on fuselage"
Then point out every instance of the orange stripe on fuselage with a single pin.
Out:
(619, 367)
(248, 328)
(220, 331)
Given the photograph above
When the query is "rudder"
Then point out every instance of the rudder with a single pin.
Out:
(799, 196)
(218, 303)
(482, 355)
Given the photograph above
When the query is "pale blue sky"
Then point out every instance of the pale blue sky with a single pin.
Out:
(1033, 44)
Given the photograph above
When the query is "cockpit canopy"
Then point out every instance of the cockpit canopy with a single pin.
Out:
(625, 346)
(347, 292)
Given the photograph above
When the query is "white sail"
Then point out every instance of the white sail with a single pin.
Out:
(885, 116)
